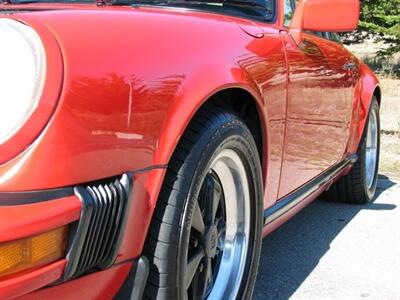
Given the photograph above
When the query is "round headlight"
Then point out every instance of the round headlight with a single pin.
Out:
(22, 75)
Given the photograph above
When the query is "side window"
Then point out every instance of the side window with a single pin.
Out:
(288, 11)
(334, 37)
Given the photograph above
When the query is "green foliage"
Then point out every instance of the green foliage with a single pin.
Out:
(380, 20)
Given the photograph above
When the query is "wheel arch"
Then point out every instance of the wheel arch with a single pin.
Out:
(190, 98)
(242, 103)
(236, 97)
(378, 94)
(174, 194)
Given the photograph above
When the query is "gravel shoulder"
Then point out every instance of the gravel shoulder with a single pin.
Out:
(336, 251)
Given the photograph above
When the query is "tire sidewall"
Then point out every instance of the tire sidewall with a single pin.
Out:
(230, 135)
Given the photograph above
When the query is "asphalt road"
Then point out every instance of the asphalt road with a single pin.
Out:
(336, 251)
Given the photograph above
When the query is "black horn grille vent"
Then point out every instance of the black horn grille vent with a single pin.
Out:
(98, 234)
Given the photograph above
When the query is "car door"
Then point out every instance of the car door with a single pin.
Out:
(266, 65)
(319, 107)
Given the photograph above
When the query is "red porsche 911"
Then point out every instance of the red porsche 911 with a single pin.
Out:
(147, 146)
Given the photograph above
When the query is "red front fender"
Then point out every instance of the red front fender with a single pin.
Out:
(192, 95)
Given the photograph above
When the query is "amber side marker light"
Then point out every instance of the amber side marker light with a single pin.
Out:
(32, 252)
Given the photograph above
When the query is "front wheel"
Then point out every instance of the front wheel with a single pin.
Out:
(204, 240)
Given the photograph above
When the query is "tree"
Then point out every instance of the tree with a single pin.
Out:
(379, 20)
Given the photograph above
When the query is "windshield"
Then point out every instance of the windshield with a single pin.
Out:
(263, 10)
(258, 9)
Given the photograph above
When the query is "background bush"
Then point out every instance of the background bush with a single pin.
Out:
(379, 20)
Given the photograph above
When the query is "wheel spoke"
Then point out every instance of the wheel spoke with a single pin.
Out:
(202, 281)
(209, 273)
(198, 222)
(212, 196)
(216, 197)
(192, 266)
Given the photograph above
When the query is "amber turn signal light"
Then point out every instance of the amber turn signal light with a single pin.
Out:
(32, 252)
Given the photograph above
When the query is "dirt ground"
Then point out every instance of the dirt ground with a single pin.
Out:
(390, 107)
(390, 122)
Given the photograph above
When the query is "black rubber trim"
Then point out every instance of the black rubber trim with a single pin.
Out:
(30, 197)
(22, 198)
(290, 201)
(151, 168)
(135, 283)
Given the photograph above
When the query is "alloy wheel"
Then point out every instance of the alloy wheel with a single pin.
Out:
(371, 149)
(219, 235)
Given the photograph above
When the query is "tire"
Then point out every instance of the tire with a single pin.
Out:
(359, 186)
(215, 140)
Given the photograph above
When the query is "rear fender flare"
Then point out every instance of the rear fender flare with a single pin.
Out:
(369, 85)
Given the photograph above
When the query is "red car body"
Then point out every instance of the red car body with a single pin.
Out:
(122, 85)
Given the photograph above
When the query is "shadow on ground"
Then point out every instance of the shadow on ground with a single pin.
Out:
(291, 253)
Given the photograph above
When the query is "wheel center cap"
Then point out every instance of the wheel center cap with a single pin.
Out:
(211, 241)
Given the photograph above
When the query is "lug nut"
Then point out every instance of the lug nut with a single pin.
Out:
(195, 242)
(200, 268)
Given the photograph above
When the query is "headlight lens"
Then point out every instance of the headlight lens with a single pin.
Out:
(22, 75)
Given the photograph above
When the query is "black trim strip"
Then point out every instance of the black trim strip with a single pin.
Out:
(30, 197)
(290, 201)
(125, 261)
(151, 168)
(21, 198)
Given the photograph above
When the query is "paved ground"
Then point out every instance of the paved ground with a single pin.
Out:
(336, 251)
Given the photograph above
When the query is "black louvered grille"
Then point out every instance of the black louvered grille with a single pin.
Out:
(98, 233)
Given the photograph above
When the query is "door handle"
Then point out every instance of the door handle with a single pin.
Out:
(349, 66)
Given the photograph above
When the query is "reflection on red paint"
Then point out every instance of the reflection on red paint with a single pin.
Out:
(132, 80)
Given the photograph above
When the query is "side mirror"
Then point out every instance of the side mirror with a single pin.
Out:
(326, 15)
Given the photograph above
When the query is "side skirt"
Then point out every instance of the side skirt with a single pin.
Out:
(293, 199)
